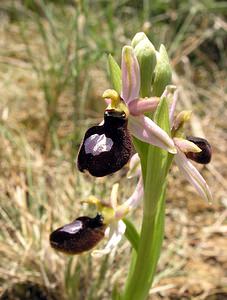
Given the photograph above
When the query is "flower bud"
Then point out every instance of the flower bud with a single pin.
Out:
(162, 72)
(204, 156)
(145, 53)
(140, 36)
(106, 148)
(81, 235)
(183, 117)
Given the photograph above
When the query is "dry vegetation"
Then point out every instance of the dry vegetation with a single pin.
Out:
(40, 187)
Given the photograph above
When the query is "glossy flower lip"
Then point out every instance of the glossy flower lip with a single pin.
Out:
(107, 147)
(81, 235)
(204, 156)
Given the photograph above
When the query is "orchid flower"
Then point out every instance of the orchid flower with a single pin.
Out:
(194, 148)
(84, 233)
(129, 101)
(116, 227)
(107, 147)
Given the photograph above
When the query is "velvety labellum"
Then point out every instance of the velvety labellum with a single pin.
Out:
(106, 148)
(203, 157)
(81, 235)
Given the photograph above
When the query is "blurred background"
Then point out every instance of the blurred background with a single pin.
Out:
(53, 71)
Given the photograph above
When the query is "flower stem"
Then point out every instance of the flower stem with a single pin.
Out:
(150, 241)
(155, 166)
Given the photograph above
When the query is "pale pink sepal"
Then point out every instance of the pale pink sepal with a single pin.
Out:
(186, 146)
(137, 107)
(137, 195)
(116, 232)
(130, 75)
(132, 202)
(173, 107)
(134, 166)
(193, 176)
(148, 131)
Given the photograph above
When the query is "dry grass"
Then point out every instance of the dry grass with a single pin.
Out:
(40, 190)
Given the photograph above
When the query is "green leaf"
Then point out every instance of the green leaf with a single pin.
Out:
(131, 234)
(115, 73)
(115, 293)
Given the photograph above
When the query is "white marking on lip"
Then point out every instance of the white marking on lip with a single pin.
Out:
(96, 144)
(72, 228)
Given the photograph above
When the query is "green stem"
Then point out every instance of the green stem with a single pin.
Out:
(152, 231)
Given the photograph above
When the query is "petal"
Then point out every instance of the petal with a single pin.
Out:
(117, 230)
(186, 146)
(130, 75)
(193, 176)
(113, 196)
(148, 131)
(138, 107)
(135, 198)
(183, 117)
(134, 166)
(173, 107)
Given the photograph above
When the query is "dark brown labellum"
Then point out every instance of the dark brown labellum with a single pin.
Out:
(81, 235)
(106, 148)
(204, 156)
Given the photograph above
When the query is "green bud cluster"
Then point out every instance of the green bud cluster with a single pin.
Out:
(155, 69)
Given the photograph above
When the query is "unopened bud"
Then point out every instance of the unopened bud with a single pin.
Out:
(140, 36)
(146, 55)
(183, 117)
(162, 72)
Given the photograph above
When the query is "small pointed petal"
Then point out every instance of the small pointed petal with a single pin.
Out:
(134, 166)
(183, 117)
(130, 75)
(171, 93)
(193, 176)
(138, 107)
(113, 196)
(117, 230)
(186, 146)
(148, 131)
